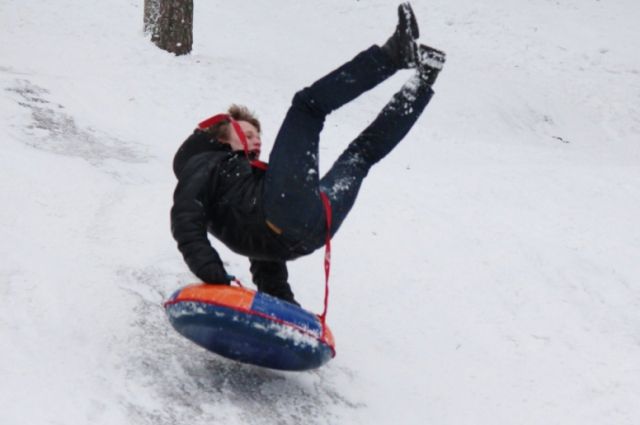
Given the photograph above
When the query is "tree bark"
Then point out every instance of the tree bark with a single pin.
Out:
(151, 13)
(170, 23)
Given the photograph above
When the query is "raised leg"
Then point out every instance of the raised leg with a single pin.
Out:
(342, 182)
(292, 200)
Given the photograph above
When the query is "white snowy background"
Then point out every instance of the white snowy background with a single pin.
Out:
(488, 274)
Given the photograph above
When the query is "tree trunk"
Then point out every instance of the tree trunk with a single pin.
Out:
(151, 14)
(170, 23)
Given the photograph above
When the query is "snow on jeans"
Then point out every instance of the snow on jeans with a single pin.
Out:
(293, 185)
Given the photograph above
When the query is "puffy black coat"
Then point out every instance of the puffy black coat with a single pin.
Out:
(219, 192)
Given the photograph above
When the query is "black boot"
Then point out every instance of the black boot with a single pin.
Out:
(281, 290)
(402, 46)
(430, 63)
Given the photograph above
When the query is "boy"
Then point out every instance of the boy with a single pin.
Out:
(276, 214)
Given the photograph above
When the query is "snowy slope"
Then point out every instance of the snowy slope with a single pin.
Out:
(488, 274)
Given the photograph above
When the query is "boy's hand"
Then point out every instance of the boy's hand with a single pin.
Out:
(215, 274)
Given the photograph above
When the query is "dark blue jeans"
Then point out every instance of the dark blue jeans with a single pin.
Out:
(293, 184)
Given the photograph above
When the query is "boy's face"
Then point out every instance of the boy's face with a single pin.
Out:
(253, 138)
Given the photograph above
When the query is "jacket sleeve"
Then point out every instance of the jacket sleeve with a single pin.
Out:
(189, 220)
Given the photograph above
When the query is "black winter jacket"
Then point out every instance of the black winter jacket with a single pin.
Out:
(220, 192)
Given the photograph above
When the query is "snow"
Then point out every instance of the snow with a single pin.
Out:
(488, 273)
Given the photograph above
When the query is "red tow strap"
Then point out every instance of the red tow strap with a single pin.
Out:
(326, 204)
(213, 121)
(327, 257)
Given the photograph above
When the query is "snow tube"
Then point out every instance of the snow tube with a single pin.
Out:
(250, 327)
